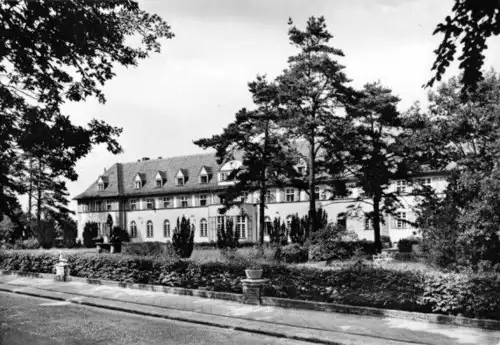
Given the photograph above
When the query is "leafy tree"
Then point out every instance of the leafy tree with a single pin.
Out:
(312, 89)
(53, 52)
(471, 24)
(227, 236)
(69, 231)
(90, 231)
(255, 135)
(183, 238)
(461, 135)
(373, 153)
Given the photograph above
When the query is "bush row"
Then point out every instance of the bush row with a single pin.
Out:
(470, 295)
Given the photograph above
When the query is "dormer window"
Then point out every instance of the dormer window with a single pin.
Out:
(205, 174)
(102, 183)
(139, 181)
(301, 170)
(181, 177)
(160, 179)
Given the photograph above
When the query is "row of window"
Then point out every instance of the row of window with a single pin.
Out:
(240, 225)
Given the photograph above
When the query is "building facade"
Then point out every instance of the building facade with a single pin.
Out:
(148, 196)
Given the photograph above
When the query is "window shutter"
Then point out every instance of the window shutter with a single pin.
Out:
(394, 222)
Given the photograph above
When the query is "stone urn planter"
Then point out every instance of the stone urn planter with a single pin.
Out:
(254, 273)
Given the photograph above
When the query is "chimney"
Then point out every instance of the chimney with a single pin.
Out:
(145, 159)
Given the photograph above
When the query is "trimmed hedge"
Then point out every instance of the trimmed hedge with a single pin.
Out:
(470, 295)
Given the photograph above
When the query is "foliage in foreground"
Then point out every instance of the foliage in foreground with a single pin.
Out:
(471, 295)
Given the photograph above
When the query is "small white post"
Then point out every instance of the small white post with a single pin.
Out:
(62, 269)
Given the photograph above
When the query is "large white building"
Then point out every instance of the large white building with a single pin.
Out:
(146, 198)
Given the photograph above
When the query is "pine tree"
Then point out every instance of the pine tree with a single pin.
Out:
(267, 159)
(374, 153)
(312, 90)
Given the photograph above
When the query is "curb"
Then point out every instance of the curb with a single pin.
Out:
(287, 303)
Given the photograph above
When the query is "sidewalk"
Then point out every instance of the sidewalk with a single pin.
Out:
(329, 328)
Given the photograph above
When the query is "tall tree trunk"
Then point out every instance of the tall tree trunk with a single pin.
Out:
(30, 196)
(263, 187)
(312, 187)
(39, 187)
(262, 213)
(376, 223)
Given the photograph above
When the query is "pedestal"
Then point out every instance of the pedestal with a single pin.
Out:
(62, 271)
(252, 290)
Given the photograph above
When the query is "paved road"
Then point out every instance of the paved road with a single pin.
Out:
(31, 320)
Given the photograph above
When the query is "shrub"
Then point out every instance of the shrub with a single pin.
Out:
(30, 243)
(293, 253)
(227, 236)
(386, 241)
(471, 295)
(120, 234)
(278, 233)
(90, 231)
(183, 238)
(405, 244)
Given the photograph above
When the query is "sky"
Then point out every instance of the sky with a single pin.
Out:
(193, 88)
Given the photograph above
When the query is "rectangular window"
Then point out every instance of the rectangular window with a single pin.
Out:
(224, 176)
(241, 226)
(269, 197)
(180, 181)
(220, 222)
(290, 195)
(150, 203)
(368, 224)
(401, 186)
(203, 200)
(98, 206)
(401, 220)
(204, 179)
(109, 205)
(101, 186)
(184, 201)
(301, 170)
(138, 184)
(159, 183)
(133, 204)
(166, 202)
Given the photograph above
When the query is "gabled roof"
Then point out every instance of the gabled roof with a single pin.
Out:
(140, 176)
(121, 177)
(183, 172)
(205, 170)
(103, 179)
(161, 174)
